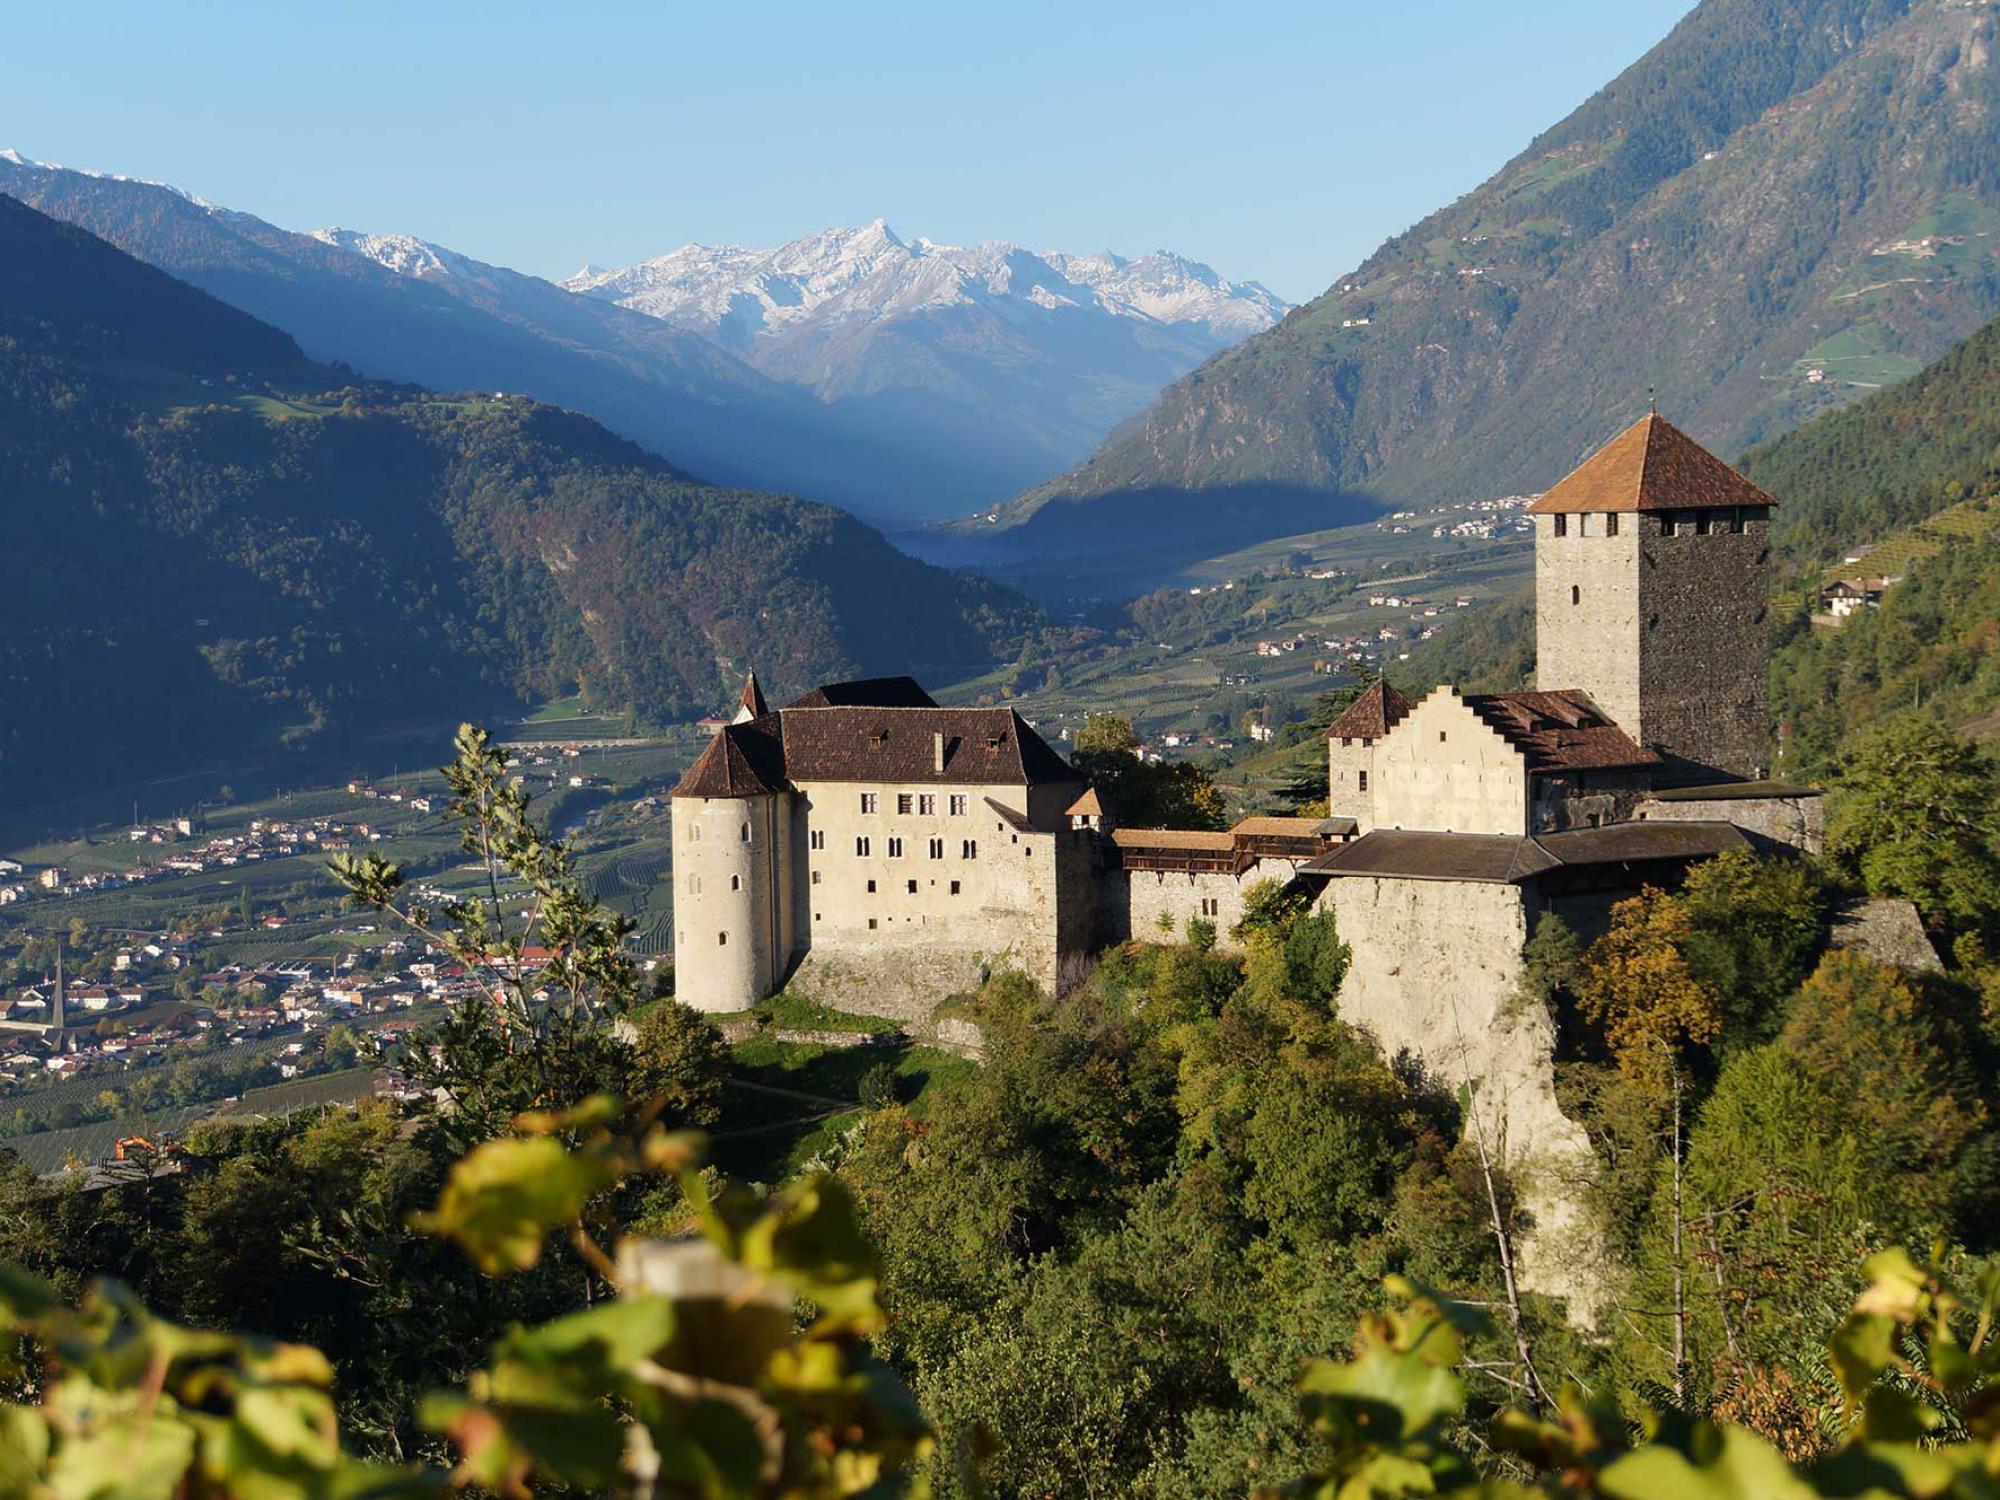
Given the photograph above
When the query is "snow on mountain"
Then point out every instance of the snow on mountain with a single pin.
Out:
(404, 254)
(738, 295)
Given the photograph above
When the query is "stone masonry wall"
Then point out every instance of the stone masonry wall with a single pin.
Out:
(1790, 822)
(1587, 612)
(1704, 683)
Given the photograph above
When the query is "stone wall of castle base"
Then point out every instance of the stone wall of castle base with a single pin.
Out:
(1797, 823)
(1132, 903)
(904, 984)
(1436, 974)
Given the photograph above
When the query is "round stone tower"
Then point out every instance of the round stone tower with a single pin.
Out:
(726, 934)
(733, 906)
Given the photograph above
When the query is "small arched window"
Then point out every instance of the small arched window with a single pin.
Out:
(736, 882)
(746, 833)
(1575, 597)
(722, 940)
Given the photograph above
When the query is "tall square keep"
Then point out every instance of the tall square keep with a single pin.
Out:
(1651, 590)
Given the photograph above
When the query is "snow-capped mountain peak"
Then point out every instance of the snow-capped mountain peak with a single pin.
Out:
(740, 295)
(404, 254)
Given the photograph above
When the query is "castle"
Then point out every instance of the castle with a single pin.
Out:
(881, 852)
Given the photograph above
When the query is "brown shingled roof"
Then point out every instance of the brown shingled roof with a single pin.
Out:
(1412, 854)
(1370, 716)
(990, 746)
(743, 760)
(982, 747)
(1558, 731)
(1651, 465)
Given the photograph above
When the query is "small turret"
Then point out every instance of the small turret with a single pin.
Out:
(750, 703)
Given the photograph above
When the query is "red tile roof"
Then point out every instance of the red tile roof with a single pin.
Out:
(1370, 716)
(752, 698)
(1559, 731)
(1651, 465)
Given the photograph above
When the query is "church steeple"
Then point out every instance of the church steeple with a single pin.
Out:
(750, 705)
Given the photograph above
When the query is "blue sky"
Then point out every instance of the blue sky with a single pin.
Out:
(1277, 141)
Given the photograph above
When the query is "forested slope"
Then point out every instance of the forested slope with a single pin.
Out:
(217, 548)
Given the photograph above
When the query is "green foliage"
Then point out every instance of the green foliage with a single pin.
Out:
(1142, 794)
(1916, 815)
(695, 1381)
(1915, 1362)
(1754, 928)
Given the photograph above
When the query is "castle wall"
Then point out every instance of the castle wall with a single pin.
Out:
(1704, 680)
(729, 933)
(1586, 799)
(1788, 822)
(1350, 768)
(1444, 770)
(1131, 903)
(1436, 971)
(891, 927)
(1587, 612)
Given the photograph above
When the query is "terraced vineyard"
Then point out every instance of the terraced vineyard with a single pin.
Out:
(53, 1150)
(1969, 520)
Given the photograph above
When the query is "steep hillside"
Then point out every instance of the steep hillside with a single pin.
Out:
(453, 323)
(1017, 362)
(1784, 204)
(1891, 460)
(216, 549)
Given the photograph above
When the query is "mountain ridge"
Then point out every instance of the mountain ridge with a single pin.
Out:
(243, 551)
(1783, 203)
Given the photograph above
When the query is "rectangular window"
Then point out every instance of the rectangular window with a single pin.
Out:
(861, 848)
(871, 887)
(1701, 523)
(1611, 524)
(694, 833)
(903, 802)
(815, 877)
(958, 806)
(868, 802)
(895, 848)
(937, 848)
(969, 849)
(927, 805)
(913, 888)
(1562, 525)
(1361, 780)
(694, 885)
(871, 924)
(818, 839)
(954, 887)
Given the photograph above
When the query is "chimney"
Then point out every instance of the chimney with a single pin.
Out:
(937, 740)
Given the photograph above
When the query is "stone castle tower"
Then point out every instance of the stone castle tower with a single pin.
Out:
(734, 906)
(1651, 588)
